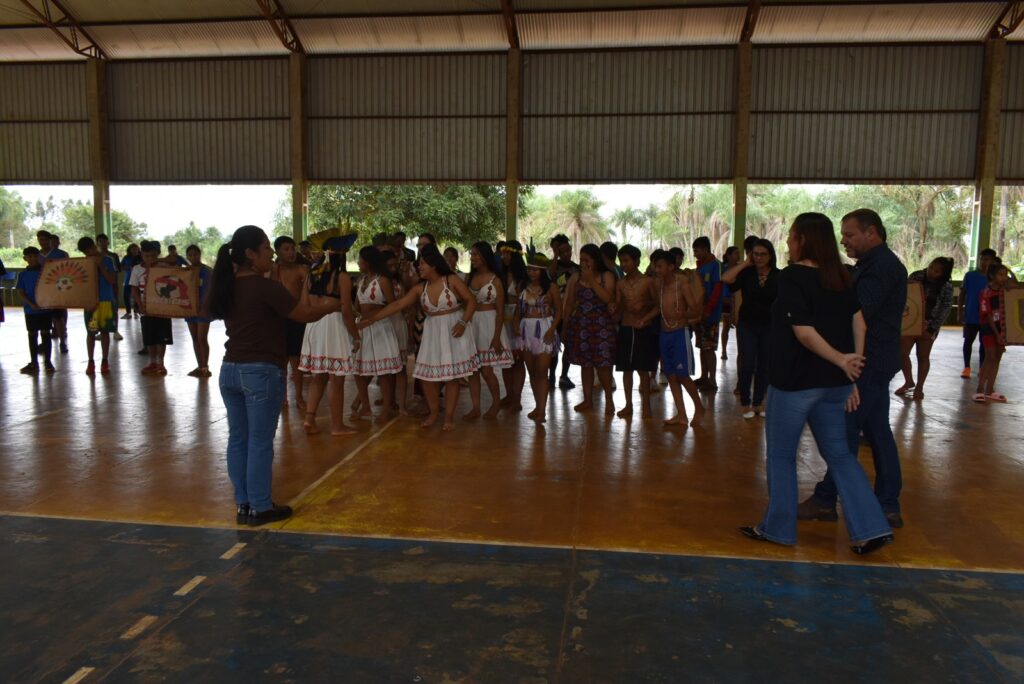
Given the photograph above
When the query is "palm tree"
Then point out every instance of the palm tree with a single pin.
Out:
(629, 217)
(577, 214)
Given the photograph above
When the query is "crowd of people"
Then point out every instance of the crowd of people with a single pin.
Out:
(818, 341)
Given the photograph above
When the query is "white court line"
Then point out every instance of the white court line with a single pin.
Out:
(82, 673)
(230, 553)
(330, 471)
(139, 627)
(190, 585)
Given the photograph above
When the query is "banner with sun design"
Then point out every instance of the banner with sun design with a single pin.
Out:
(172, 292)
(69, 284)
(913, 311)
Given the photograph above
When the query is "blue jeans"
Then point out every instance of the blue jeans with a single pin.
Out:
(871, 418)
(252, 394)
(753, 340)
(823, 409)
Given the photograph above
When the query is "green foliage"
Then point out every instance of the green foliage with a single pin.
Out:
(78, 221)
(576, 213)
(208, 241)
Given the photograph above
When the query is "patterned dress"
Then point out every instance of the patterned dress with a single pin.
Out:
(591, 335)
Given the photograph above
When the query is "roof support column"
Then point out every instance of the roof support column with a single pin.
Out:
(988, 146)
(513, 90)
(741, 142)
(297, 67)
(99, 158)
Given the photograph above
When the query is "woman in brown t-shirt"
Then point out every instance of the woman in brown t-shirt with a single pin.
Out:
(252, 376)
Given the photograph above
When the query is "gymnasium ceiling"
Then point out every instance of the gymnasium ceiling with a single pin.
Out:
(141, 29)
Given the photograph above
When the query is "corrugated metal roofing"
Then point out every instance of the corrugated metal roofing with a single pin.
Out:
(697, 26)
(883, 22)
(405, 34)
(627, 148)
(547, 5)
(33, 44)
(62, 99)
(102, 11)
(407, 149)
(1011, 147)
(635, 82)
(298, 8)
(209, 39)
(44, 152)
(429, 85)
(1013, 95)
(867, 78)
(834, 147)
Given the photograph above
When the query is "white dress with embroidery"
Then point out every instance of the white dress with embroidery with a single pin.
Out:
(483, 330)
(443, 357)
(327, 347)
(379, 352)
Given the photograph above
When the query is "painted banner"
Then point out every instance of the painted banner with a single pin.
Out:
(172, 292)
(914, 314)
(68, 284)
(1014, 316)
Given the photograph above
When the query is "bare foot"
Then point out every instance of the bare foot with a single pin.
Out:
(301, 405)
(309, 425)
(906, 387)
(448, 426)
(583, 406)
(698, 415)
(532, 414)
(918, 395)
(472, 415)
(646, 411)
(346, 430)
(609, 409)
(355, 405)
(429, 421)
(540, 419)
(492, 412)
(379, 402)
(365, 414)
(403, 413)
(626, 412)
(678, 419)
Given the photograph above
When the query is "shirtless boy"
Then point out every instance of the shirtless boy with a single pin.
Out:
(680, 296)
(293, 276)
(638, 344)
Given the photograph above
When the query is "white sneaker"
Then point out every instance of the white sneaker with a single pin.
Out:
(748, 414)
(118, 336)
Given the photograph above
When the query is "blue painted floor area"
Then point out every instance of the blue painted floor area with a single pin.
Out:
(306, 608)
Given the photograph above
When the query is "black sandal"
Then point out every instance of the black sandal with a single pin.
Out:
(754, 533)
(872, 544)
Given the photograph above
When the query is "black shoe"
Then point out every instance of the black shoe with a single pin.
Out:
(242, 514)
(63, 347)
(566, 384)
(895, 520)
(753, 533)
(872, 545)
(143, 351)
(272, 514)
(810, 509)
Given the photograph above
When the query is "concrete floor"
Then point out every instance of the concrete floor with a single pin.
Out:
(131, 449)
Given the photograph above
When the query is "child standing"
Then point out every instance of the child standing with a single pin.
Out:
(101, 321)
(199, 326)
(680, 303)
(38, 321)
(992, 315)
(156, 332)
(637, 348)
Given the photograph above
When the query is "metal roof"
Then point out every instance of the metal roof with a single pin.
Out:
(137, 29)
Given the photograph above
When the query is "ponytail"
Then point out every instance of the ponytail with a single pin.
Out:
(229, 258)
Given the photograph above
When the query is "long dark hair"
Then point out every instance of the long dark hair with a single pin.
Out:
(947, 269)
(432, 255)
(767, 244)
(818, 244)
(322, 277)
(376, 260)
(516, 265)
(487, 256)
(594, 252)
(545, 280)
(229, 257)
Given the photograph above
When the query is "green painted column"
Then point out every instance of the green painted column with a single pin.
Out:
(993, 75)
(741, 142)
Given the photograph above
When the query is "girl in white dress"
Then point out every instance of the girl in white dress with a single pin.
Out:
(494, 348)
(536, 329)
(447, 353)
(329, 345)
(379, 353)
(511, 253)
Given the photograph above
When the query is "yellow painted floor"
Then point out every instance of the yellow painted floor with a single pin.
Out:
(143, 449)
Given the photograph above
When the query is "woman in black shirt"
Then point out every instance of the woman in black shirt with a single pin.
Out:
(817, 346)
(758, 279)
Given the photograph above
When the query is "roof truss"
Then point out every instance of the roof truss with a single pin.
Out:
(57, 18)
(281, 25)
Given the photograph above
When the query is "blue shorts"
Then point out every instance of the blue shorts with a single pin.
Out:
(677, 353)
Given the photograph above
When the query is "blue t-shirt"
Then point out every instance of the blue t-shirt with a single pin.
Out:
(711, 274)
(181, 261)
(27, 282)
(974, 283)
(107, 289)
(53, 254)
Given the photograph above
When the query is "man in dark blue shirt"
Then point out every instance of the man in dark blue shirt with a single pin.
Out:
(880, 279)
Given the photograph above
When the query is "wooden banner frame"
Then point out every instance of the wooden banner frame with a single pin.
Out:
(172, 292)
(68, 284)
(914, 314)
(1014, 303)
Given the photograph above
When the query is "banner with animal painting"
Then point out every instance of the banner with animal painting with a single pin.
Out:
(172, 292)
(914, 313)
(1014, 316)
(69, 284)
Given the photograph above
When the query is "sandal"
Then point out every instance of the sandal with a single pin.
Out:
(872, 544)
(995, 396)
(980, 398)
(753, 533)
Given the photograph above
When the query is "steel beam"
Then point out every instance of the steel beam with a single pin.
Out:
(1009, 20)
(741, 142)
(509, 12)
(53, 15)
(298, 143)
(513, 144)
(99, 157)
(282, 25)
(750, 20)
(988, 146)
